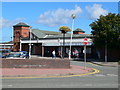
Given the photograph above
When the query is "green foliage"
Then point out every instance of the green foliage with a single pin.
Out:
(106, 30)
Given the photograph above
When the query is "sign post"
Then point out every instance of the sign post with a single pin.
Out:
(85, 43)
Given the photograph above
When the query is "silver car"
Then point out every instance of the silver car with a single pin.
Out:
(15, 55)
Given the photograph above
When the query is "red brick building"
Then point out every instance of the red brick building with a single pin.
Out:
(44, 42)
(21, 30)
(78, 31)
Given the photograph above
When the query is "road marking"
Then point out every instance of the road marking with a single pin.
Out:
(7, 85)
(10, 85)
(99, 75)
(95, 71)
(111, 75)
(88, 85)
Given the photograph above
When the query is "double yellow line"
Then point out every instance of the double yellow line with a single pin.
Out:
(94, 72)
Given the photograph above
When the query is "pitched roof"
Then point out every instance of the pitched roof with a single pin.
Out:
(53, 34)
(68, 35)
(79, 30)
(38, 33)
(47, 32)
(43, 34)
(21, 24)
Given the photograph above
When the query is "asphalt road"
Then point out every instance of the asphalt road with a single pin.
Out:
(106, 78)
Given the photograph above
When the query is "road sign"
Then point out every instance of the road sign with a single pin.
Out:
(85, 41)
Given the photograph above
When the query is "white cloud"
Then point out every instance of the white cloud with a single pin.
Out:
(59, 16)
(96, 10)
(7, 23)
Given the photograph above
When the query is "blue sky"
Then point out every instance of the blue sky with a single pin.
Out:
(51, 15)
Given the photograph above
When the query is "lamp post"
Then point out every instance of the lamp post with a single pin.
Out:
(11, 38)
(73, 17)
(20, 44)
(30, 44)
(11, 45)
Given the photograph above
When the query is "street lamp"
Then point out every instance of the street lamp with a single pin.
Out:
(20, 44)
(73, 17)
(11, 45)
(30, 43)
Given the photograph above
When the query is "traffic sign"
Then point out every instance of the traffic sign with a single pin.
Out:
(85, 41)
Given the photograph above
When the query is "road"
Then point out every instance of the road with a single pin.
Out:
(106, 78)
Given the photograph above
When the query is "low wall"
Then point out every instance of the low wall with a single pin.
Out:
(35, 63)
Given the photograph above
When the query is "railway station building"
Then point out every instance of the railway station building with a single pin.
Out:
(43, 42)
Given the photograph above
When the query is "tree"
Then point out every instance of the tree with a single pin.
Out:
(106, 30)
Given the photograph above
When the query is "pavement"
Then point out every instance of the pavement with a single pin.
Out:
(28, 72)
(74, 70)
(100, 62)
(103, 63)
(110, 64)
(94, 61)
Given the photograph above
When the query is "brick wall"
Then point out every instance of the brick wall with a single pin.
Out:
(76, 32)
(19, 31)
(35, 63)
(25, 31)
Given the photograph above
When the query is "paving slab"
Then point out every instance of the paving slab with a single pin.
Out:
(18, 72)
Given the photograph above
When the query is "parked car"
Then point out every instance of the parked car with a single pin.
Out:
(20, 54)
(4, 53)
(24, 54)
(15, 55)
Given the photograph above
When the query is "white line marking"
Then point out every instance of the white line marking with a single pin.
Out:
(101, 75)
(7, 85)
(111, 75)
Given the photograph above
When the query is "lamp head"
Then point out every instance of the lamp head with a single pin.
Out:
(73, 16)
